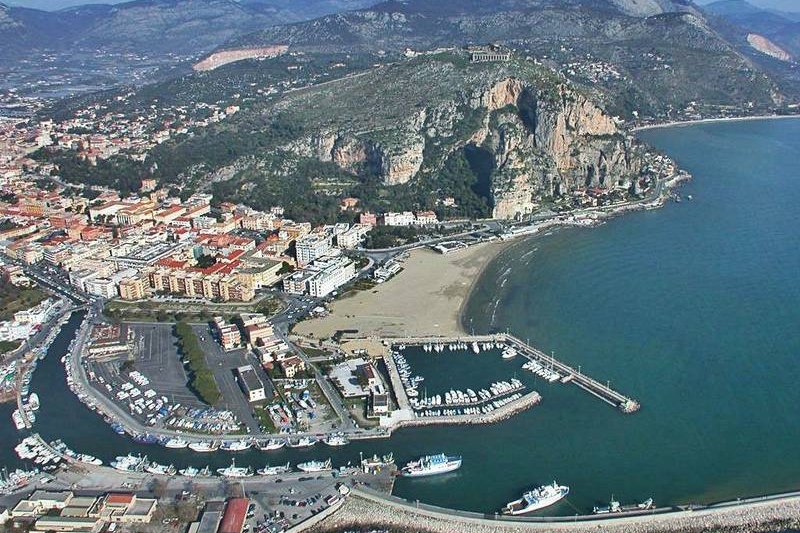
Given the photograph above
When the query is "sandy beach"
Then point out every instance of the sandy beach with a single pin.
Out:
(426, 298)
(711, 120)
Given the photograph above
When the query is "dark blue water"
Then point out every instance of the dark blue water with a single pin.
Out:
(692, 309)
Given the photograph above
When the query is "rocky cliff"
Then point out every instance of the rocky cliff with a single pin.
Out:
(401, 123)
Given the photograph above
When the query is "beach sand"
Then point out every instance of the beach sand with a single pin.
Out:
(426, 298)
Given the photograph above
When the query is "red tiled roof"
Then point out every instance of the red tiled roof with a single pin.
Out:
(235, 513)
(118, 499)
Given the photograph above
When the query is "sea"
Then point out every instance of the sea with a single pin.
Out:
(693, 310)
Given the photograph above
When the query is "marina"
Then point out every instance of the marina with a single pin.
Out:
(456, 402)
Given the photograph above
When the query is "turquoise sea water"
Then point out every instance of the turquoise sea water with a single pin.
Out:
(692, 309)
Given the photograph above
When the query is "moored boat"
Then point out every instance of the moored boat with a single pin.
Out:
(204, 446)
(274, 470)
(315, 466)
(431, 465)
(176, 443)
(234, 471)
(271, 444)
(536, 499)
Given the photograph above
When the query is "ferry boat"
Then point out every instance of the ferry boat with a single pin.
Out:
(315, 466)
(189, 471)
(271, 444)
(234, 471)
(336, 439)
(236, 445)
(431, 465)
(274, 470)
(303, 442)
(536, 499)
(204, 446)
(176, 443)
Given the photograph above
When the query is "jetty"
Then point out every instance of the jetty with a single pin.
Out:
(567, 374)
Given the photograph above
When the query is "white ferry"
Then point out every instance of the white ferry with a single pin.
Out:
(234, 471)
(431, 465)
(204, 446)
(315, 466)
(536, 499)
(274, 470)
(176, 443)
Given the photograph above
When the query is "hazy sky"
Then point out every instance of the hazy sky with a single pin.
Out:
(787, 5)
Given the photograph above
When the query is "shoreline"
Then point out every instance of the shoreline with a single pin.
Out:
(426, 298)
(682, 123)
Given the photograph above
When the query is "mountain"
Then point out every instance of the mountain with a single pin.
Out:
(648, 56)
(772, 31)
(152, 26)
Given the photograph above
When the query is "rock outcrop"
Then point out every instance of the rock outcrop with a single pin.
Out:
(224, 57)
(545, 138)
(765, 46)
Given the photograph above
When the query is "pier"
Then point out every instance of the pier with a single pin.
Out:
(568, 374)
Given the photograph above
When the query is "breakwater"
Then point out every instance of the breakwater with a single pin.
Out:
(365, 509)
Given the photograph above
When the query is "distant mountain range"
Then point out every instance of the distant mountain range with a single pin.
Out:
(153, 26)
(779, 27)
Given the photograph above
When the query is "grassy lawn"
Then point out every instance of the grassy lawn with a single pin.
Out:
(316, 352)
(9, 346)
(261, 413)
(14, 299)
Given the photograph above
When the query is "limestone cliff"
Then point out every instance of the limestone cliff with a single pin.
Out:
(545, 137)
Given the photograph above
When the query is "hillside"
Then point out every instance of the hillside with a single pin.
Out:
(152, 26)
(499, 138)
(780, 29)
(652, 57)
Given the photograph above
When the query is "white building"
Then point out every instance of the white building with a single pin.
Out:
(312, 247)
(251, 384)
(406, 218)
(321, 278)
(351, 238)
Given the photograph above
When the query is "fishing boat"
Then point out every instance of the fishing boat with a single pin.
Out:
(234, 471)
(271, 444)
(303, 442)
(155, 468)
(315, 466)
(336, 439)
(204, 446)
(176, 443)
(236, 445)
(274, 470)
(189, 471)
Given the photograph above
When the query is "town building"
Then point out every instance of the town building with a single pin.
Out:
(228, 335)
(251, 384)
(312, 247)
